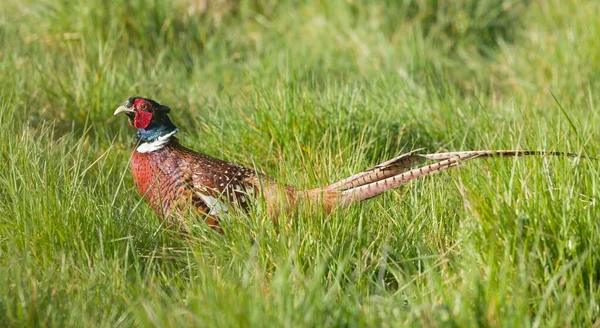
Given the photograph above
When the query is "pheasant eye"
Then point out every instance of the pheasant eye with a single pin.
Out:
(144, 106)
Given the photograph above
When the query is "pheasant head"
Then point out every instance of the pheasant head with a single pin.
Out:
(149, 118)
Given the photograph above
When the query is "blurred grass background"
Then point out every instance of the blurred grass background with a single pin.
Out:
(308, 92)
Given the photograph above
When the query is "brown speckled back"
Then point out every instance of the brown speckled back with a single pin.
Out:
(174, 177)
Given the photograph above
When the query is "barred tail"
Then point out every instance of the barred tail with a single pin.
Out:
(396, 172)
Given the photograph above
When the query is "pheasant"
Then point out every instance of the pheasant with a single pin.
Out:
(173, 178)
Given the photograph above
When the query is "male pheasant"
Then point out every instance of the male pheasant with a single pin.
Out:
(172, 177)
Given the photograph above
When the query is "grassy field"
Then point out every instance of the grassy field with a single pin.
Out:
(307, 92)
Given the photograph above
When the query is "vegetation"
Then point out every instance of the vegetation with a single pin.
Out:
(307, 92)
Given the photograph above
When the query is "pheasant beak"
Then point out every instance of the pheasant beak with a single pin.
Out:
(124, 109)
(128, 109)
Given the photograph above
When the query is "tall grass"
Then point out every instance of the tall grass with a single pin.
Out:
(307, 92)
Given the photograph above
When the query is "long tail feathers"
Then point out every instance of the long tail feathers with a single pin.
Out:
(396, 172)
(382, 171)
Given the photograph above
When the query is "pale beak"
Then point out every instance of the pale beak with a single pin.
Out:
(123, 109)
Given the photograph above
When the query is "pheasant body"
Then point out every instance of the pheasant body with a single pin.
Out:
(173, 178)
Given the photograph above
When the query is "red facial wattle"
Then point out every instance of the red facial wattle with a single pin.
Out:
(142, 118)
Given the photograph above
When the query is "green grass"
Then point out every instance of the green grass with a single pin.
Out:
(307, 92)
